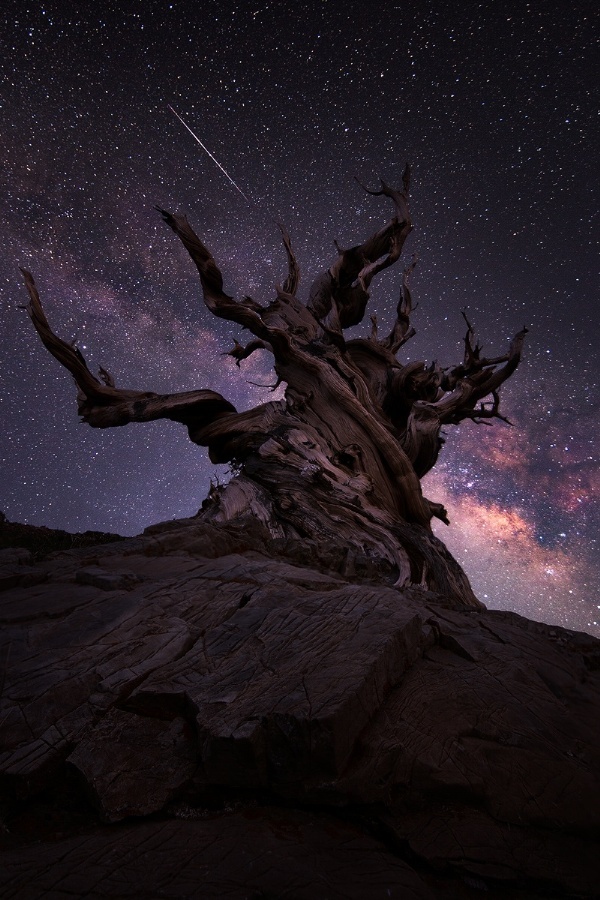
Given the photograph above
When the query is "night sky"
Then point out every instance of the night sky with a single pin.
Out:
(495, 106)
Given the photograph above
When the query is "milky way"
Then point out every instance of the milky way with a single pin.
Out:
(493, 103)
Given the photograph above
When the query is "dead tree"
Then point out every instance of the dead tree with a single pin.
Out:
(337, 464)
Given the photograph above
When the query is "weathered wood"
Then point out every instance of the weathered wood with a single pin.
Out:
(293, 456)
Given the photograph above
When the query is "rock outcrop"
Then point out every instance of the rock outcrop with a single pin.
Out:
(192, 713)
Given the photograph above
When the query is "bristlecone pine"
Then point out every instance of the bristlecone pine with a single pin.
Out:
(336, 464)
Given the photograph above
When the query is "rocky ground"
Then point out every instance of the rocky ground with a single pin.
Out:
(190, 713)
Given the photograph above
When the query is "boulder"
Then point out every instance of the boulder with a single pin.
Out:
(193, 711)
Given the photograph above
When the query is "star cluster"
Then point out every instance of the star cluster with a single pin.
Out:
(494, 106)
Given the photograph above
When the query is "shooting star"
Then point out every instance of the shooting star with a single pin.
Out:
(216, 161)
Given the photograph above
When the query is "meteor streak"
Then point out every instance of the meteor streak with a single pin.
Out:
(216, 161)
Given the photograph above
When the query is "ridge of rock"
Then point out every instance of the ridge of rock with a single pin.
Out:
(200, 691)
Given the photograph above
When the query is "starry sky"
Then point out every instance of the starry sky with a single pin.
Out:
(495, 107)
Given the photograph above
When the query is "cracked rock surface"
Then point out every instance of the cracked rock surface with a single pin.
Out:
(189, 713)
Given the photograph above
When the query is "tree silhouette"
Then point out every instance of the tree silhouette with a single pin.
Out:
(337, 464)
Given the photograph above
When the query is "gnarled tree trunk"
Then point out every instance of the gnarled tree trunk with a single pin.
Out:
(337, 463)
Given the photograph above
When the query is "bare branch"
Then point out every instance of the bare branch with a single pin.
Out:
(471, 352)
(472, 388)
(368, 272)
(402, 330)
(290, 285)
(68, 355)
(339, 296)
(239, 352)
(271, 387)
(248, 314)
(487, 411)
(106, 377)
(439, 512)
(102, 405)
(218, 302)
(399, 198)
(373, 336)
